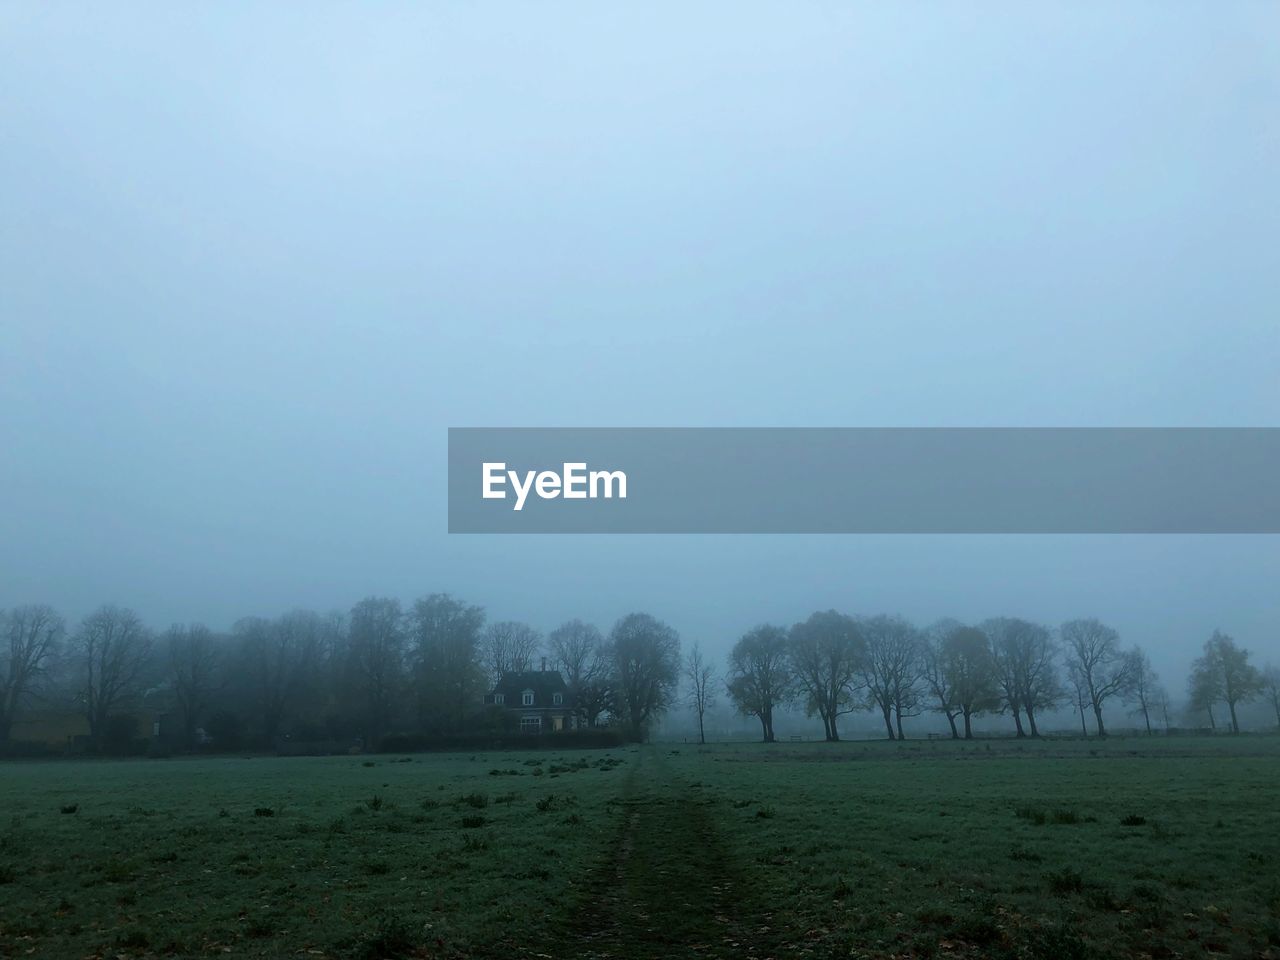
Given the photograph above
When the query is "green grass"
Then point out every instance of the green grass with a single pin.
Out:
(921, 849)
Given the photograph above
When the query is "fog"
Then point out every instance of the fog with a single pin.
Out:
(253, 267)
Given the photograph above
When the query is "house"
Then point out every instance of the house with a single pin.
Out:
(537, 701)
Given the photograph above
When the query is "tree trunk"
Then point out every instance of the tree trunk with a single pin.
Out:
(702, 733)
(1235, 724)
(951, 719)
(1097, 716)
(1017, 722)
(898, 720)
(831, 721)
(888, 721)
(1031, 719)
(968, 726)
(1213, 724)
(1146, 718)
(1084, 731)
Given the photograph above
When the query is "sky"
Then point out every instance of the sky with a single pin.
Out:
(255, 259)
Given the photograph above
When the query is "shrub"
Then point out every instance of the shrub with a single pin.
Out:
(263, 812)
(473, 823)
(1132, 820)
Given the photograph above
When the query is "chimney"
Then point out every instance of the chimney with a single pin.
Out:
(544, 664)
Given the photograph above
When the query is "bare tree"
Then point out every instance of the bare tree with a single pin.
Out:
(1204, 689)
(890, 669)
(192, 666)
(1225, 669)
(1080, 689)
(30, 636)
(448, 679)
(1143, 691)
(508, 647)
(1271, 688)
(376, 645)
(1024, 660)
(969, 674)
(824, 653)
(112, 649)
(1161, 700)
(933, 670)
(759, 679)
(1105, 670)
(647, 665)
(579, 652)
(278, 659)
(700, 676)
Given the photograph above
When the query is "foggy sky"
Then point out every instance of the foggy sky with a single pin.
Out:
(254, 260)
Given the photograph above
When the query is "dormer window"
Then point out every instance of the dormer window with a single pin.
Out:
(557, 698)
(527, 698)
(499, 698)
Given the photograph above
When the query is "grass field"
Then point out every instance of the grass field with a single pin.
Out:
(1059, 849)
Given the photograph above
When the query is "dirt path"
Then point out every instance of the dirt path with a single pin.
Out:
(670, 888)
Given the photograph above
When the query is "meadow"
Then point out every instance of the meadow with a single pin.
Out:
(1041, 849)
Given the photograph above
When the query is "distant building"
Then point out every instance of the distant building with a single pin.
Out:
(536, 700)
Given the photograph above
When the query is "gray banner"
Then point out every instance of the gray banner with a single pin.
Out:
(890, 480)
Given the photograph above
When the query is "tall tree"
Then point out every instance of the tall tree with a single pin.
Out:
(375, 638)
(966, 665)
(759, 678)
(699, 674)
(647, 667)
(29, 637)
(824, 653)
(1080, 689)
(113, 648)
(1026, 672)
(508, 647)
(1227, 664)
(933, 670)
(278, 659)
(1145, 687)
(192, 666)
(1106, 671)
(1271, 688)
(1204, 689)
(579, 652)
(448, 677)
(890, 669)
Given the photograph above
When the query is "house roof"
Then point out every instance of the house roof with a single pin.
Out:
(544, 684)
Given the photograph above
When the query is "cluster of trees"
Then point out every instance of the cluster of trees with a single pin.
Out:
(378, 668)
(382, 668)
(834, 664)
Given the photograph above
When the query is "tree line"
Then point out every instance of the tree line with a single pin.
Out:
(379, 667)
(834, 664)
(384, 667)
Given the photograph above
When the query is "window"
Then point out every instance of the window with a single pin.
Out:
(499, 698)
(557, 698)
(530, 724)
(527, 698)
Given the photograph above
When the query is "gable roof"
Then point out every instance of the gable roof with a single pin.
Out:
(544, 684)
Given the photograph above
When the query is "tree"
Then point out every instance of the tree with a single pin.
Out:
(1081, 691)
(1024, 660)
(113, 648)
(700, 675)
(1105, 670)
(1144, 689)
(646, 656)
(934, 672)
(1162, 704)
(192, 666)
(508, 647)
(448, 678)
(579, 652)
(759, 678)
(890, 669)
(375, 639)
(823, 653)
(1225, 670)
(1204, 689)
(966, 665)
(29, 637)
(1271, 688)
(277, 659)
